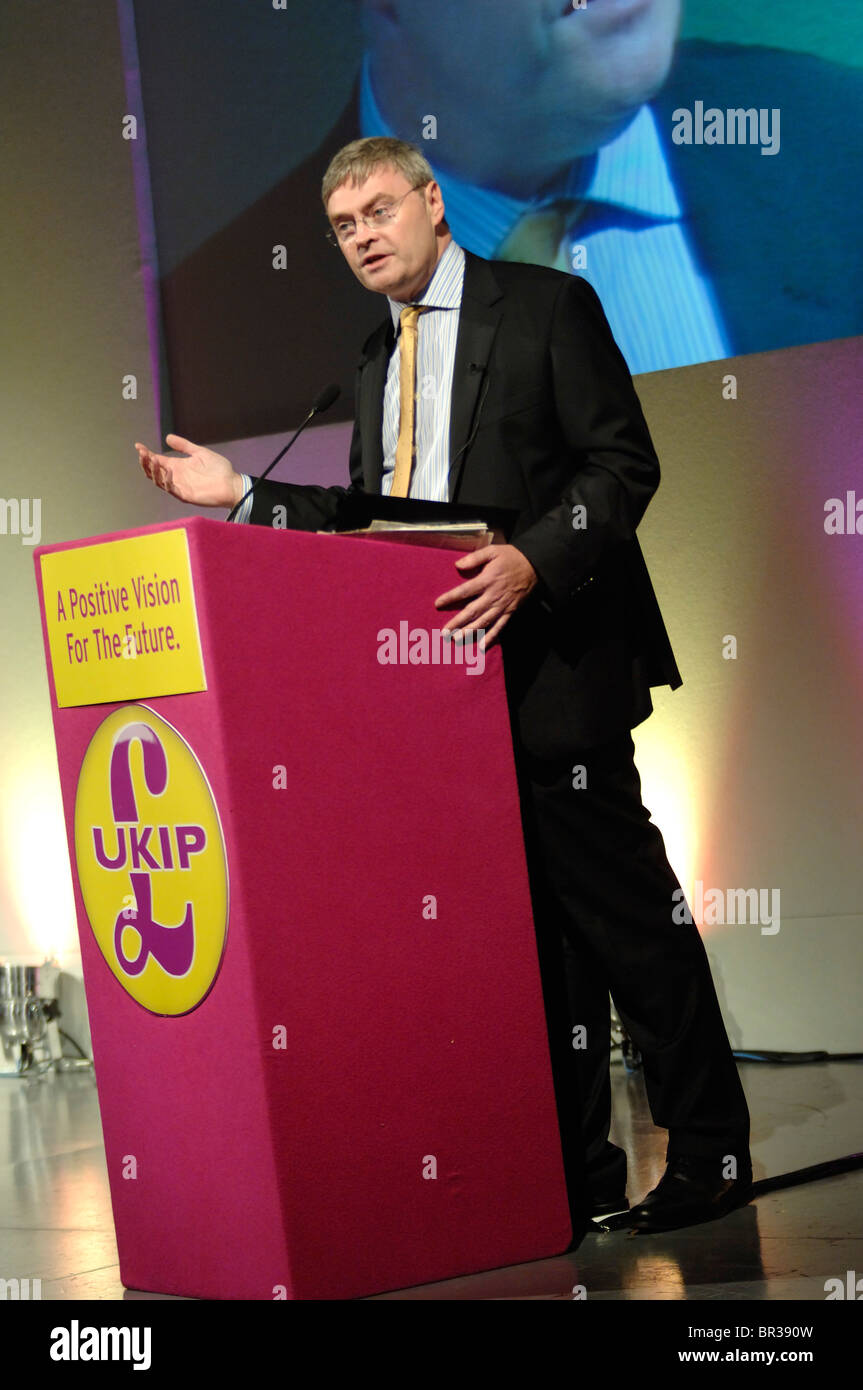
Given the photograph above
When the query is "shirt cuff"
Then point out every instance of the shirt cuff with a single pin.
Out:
(245, 510)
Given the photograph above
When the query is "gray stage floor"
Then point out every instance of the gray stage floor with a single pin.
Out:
(56, 1226)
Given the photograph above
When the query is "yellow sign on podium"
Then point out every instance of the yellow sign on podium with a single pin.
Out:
(122, 622)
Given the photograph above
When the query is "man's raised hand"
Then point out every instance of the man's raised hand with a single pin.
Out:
(196, 475)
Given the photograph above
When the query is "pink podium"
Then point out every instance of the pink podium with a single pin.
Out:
(307, 941)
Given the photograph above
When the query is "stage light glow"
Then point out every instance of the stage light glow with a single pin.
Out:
(672, 795)
(35, 864)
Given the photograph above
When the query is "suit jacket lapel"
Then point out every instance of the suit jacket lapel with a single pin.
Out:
(481, 309)
(372, 370)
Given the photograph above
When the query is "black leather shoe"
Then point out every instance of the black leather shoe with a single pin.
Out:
(691, 1190)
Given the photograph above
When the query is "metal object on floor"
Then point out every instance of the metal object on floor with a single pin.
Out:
(29, 1011)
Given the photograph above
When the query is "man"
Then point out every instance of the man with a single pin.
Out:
(529, 406)
(551, 133)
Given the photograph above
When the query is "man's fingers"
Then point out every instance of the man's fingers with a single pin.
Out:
(176, 441)
(165, 481)
(147, 462)
(467, 590)
(492, 632)
(155, 467)
(467, 613)
(147, 457)
(473, 559)
(477, 615)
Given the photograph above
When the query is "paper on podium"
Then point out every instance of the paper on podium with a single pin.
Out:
(444, 535)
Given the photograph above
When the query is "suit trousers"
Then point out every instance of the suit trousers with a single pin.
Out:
(603, 896)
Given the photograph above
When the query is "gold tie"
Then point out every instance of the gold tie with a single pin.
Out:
(406, 446)
(542, 237)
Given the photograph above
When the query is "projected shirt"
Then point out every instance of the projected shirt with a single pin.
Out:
(636, 254)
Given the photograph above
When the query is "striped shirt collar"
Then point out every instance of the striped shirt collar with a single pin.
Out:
(443, 290)
(629, 172)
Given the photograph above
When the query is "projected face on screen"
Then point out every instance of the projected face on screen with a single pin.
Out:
(529, 84)
(701, 186)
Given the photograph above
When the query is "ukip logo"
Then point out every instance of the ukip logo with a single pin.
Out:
(151, 861)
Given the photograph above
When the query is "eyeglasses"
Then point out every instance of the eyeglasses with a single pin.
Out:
(344, 231)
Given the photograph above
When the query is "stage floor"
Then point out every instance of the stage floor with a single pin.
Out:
(56, 1226)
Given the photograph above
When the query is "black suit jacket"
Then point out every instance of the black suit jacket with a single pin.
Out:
(544, 420)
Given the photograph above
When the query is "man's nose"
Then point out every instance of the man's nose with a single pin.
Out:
(364, 234)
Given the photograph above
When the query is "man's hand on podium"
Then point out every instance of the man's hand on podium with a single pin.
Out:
(196, 475)
(502, 579)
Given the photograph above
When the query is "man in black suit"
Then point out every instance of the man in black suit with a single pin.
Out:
(543, 421)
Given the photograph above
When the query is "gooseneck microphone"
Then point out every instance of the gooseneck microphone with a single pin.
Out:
(323, 402)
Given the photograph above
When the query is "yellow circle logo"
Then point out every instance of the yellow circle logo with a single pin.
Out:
(151, 861)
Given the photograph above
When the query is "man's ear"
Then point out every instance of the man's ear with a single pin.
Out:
(435, 199)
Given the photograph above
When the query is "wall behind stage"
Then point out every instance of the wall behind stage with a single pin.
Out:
(752, 769)
(74, 326)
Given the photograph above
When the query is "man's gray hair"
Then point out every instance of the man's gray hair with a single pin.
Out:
(355, 163)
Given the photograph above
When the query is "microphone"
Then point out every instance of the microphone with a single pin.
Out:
(327, 397)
